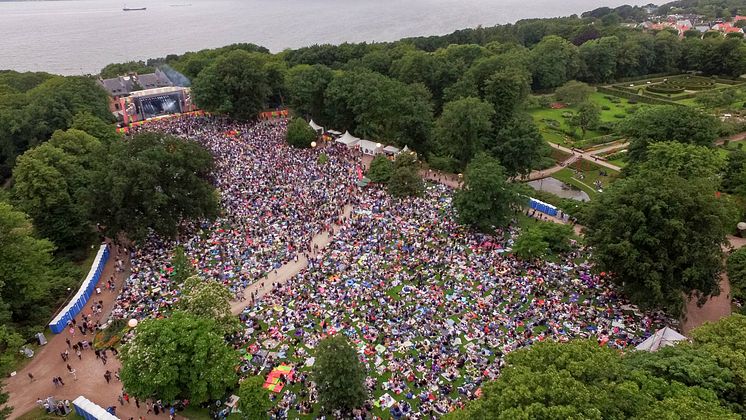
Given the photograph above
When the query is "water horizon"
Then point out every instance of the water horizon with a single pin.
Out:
(82, 36)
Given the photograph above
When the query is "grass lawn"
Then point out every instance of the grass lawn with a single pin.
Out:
(584, 175)
(553, 125)
(39, 414)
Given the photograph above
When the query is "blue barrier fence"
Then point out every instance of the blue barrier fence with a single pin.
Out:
(91, 411)
(78, 302)
(543, 207)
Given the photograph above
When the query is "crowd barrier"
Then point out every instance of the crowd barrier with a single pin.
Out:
(78, 302)
(91, 411)
(543, 207)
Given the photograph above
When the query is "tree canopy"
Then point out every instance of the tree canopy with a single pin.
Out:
(660, 235)
(182, 356)
(154, 181)
(339, 375)
(486, 198)
(300, 134)
(236, 84)
(668, 123)
(580, 379)
(53, 185)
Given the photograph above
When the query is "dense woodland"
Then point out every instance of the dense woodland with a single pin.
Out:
(460, 101)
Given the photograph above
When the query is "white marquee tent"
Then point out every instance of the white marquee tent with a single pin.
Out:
(662, 338)
(348, 139)
(316, 127)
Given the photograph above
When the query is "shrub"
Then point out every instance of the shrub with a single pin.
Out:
(620, 116)
(300, 134)
(606, 108)
(567, 114)
(632, 101)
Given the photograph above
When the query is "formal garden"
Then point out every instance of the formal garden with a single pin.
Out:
(684, 89)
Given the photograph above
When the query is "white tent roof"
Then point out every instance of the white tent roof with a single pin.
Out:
(367, 144)
(391, 149)
(315, 126)
(348, 139)
(662, 338)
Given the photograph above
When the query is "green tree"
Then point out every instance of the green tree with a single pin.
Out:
(405, 180)
(300, 134)
(154, 181)
(587, 117)
(210, 300)
(182, 356)
(123, 69)
(381, 169)
(737, 273)
(434, 71)
(339, 375)
(236, 84)
(53, 186)
(375, 106)
(485, 200)
(599, 59)
(519, 146)
(530, 244)
(684, 160)
(254, 401)
(31, 280)
(725, 340)
(574, 92)
(660, 235)
(691, 366)
(507, 90)
(542, 238)
(182, 268)
(580, 379)
(463, 130)
(668, 123)
(306, 85)
(734, 174)
(96, 127)
(555, 61)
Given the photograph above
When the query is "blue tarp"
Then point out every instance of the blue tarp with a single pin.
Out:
(78, 302)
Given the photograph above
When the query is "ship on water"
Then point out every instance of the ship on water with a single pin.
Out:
(134, 9)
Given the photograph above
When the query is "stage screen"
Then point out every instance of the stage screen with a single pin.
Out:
(154, 106)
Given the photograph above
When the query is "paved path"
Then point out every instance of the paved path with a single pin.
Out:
(575, 155)
(288, 270)
(47, 363)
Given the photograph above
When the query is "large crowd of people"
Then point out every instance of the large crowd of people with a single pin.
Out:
(274, 201)
(432, 307)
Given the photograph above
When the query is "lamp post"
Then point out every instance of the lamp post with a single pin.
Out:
(313, 144)
(132, 323)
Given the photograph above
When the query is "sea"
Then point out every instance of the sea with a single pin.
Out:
(81, 37)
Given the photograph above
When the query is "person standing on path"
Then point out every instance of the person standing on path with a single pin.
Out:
(31, 377)
(107, 376)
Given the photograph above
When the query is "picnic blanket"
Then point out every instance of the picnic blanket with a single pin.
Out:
(273, 382)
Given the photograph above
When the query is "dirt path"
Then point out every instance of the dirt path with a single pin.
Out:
(48, 363)
(288, 270)
(735, 137)
(716, 307)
